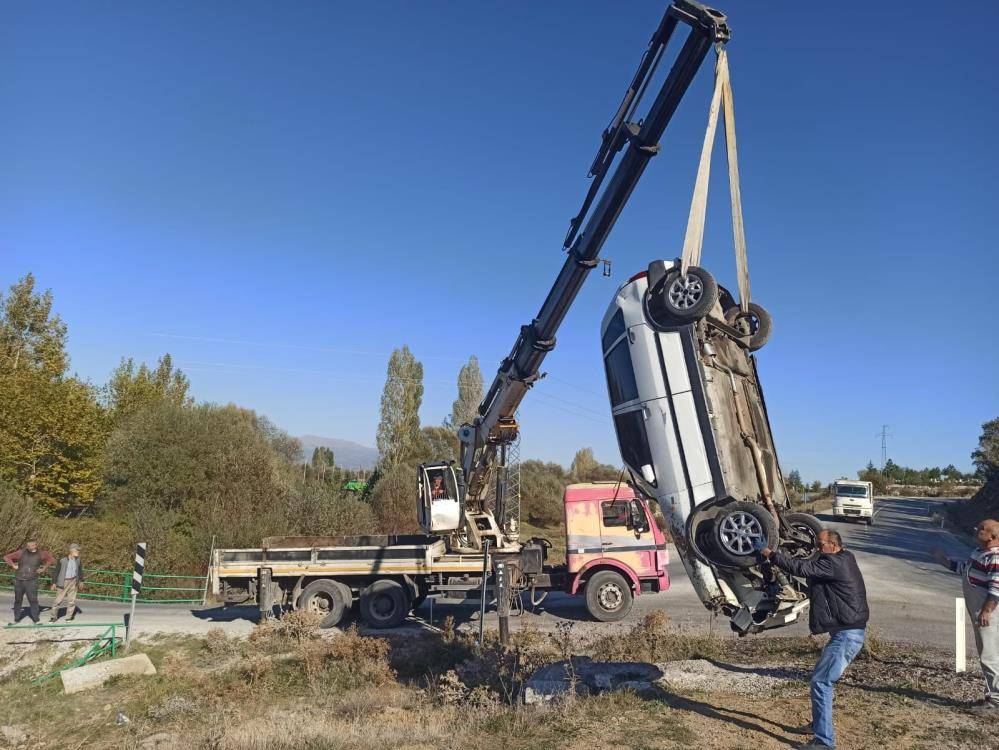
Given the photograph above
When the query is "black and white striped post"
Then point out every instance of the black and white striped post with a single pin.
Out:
(140, 565)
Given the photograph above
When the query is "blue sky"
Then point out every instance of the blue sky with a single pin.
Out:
(279, 194)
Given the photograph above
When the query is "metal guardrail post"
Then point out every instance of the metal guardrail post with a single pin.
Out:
(482, 604)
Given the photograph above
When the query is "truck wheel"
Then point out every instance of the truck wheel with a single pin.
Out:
(608, 596)
(327, 597)
(808, 525)
(757, 324)
(740, 531)
(384, 604)
(677, 299)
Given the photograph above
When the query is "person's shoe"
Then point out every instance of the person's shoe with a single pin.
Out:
(70, 618)
(53, 619)
(815, 745)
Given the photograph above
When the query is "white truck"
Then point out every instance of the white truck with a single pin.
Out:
(853, 500)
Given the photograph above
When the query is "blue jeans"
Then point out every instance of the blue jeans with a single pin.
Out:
(836, 657)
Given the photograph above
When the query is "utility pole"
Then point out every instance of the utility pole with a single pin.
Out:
(884, 435)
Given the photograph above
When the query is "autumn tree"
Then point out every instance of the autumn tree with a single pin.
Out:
(465, 407)
(586, 468)
(52, 429)
(131, 388)
(398, 437)
(793, 480)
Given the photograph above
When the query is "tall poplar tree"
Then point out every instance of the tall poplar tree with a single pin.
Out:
(399, 438)
(465, 407)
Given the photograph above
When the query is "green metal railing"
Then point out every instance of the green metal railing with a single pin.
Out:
(105, 643)
(116, 586)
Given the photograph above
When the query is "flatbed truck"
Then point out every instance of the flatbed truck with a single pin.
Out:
(614, 551)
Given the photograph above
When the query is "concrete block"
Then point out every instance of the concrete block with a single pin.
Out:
(94, 675)
(588, 677)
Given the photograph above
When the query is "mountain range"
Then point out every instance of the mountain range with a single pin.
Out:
(346, 453)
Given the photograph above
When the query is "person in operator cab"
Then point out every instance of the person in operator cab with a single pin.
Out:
(437, 489)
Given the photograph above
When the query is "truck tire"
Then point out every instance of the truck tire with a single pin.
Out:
(384, 604)
(739, 531)
(757, 324)
(608, 596)
(808, 524)
(330, 598)
(678, 300)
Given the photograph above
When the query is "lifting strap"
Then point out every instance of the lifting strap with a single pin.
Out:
(694, 238)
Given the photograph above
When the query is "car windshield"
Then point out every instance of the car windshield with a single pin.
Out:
(849, 490)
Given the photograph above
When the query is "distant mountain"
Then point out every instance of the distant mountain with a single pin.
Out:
(346, 453)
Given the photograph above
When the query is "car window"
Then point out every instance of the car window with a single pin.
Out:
(633, 441)
(615, 512)
(614, 330)
(621, 374)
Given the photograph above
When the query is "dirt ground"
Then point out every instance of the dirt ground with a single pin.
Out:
(290, 686)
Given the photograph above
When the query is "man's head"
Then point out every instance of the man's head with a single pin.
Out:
(438, 482)
(74, 550)
(32, 545)
(830, 542)
(987, 533)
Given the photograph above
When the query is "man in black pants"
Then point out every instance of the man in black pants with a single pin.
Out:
(29, 562)
(839, 607)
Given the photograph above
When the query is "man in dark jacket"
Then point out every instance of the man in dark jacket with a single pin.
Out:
(838, 607)
(29, 562)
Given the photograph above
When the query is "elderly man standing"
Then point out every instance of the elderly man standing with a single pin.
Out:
(838, 607)
(29, 562)
(67, 580)
(980, 580)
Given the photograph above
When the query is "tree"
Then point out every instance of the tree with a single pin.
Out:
(793, 480)
(182, 476)
(399, 436)
(986, 457)
(465, 407)
(873, 475)
(586, 468)
(30, 335)
(542, 486)
(51, 426)
(393, 500)
(322, 464)
(18, 521)
(130, 389)
(440, 444)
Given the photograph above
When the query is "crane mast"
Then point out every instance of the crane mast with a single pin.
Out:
(483, 443)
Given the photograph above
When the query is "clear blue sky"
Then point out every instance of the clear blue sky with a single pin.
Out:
(278, 194)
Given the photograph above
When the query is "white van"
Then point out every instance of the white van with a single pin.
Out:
(853, 499)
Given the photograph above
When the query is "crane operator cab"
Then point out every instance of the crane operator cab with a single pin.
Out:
(439, 509)
(693, 430)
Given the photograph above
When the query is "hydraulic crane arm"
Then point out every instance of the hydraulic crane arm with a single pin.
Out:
(495, 426)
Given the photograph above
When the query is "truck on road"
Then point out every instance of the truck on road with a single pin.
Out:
(614, 551)
(853, 500)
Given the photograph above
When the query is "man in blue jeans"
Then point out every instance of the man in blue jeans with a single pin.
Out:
(839, 607)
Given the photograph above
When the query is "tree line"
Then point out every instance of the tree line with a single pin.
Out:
(138, 457)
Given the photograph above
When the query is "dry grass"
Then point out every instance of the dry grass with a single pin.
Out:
(296, 687)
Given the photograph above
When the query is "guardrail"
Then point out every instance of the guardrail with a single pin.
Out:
(116, 586)
(105, 643)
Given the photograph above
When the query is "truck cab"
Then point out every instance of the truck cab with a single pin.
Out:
(853, 499)
(614, 548)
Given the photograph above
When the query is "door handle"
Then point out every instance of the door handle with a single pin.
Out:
(607, 544)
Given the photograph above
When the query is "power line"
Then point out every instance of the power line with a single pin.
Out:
(884, 435)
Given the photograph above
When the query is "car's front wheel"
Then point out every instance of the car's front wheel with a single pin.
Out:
(740, 531)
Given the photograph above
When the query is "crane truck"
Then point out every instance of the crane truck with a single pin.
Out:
(687, 408)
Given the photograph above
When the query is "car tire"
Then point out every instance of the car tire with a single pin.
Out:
(384, 604)
(757, 324)
(739, 531)
(678, 300)
(809, 524)
(328, 597)
(608, 596)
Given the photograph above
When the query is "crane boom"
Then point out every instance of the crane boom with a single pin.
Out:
(495, 426)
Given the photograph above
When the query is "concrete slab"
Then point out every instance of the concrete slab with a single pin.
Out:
(94, 675)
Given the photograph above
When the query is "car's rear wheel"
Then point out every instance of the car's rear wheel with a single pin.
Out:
(608, 596)
(756, 324)
(740, 531)
(808, 526)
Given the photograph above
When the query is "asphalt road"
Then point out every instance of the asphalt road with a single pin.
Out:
(911, 597)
